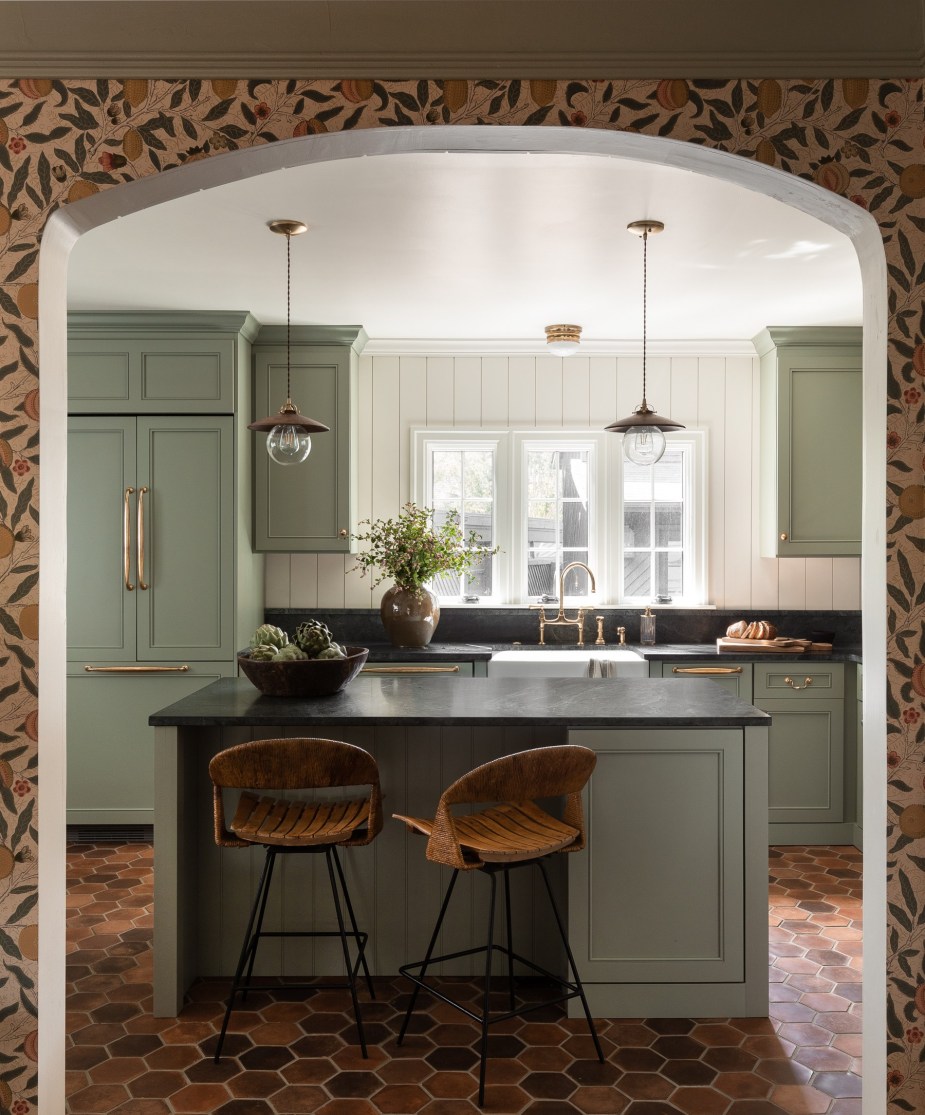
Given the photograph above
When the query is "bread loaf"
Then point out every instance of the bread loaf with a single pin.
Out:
(737, 630)
(757, 629)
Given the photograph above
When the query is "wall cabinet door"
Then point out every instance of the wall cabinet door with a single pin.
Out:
(110, 746)
(811, 412)
(312, 506)
(150, 538)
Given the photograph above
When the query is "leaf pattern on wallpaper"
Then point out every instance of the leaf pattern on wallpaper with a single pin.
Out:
(62, 141)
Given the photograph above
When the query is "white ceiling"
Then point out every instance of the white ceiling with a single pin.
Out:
(479, 246)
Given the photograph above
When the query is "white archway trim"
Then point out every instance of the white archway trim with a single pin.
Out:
(61, 233)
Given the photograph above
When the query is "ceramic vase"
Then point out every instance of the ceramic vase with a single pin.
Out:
(409, 615)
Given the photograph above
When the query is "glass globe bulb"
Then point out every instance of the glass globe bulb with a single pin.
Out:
(288, 445)
(643, 445)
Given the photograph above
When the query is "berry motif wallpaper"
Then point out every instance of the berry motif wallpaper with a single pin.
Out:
(61, 141)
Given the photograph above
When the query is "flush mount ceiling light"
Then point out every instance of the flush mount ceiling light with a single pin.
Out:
(643, 432)
(289, 439)
(563, 340)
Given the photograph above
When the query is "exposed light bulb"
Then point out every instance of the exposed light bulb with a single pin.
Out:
(288, 445)
(643, 445)
(563, 348)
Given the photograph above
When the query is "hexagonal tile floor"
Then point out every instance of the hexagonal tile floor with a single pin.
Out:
(289, 1055)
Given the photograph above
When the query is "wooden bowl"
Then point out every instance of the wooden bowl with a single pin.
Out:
(310, 677)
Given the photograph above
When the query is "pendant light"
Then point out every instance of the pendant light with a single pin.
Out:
(289, 440)
(643, 430)
(563, 340)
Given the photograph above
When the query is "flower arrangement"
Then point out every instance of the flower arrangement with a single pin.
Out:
(411, 550)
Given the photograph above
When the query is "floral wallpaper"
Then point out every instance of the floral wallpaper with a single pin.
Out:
(61, 141)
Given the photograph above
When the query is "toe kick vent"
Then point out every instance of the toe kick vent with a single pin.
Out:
(110, 834)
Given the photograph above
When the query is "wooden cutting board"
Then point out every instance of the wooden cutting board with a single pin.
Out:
(780, 645)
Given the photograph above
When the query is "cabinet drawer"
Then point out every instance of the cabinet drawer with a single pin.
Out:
(734, 677)
(799, 680)
(418, 669)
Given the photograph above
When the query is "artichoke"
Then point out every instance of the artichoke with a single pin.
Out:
(313, 637)
(290, 653)
(268, 635)
(333, 651)
(263, 653)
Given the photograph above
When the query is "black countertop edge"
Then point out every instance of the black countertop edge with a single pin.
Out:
(473, 702)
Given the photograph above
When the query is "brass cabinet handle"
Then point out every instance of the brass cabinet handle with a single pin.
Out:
(136, 669)
(342, 533)
(126, 540)
(705, 671)
(807, 682)
(410, 670)
(141, 539)
(783, 536)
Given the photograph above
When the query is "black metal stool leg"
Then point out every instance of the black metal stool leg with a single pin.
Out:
(428, 955)
(510, 936)
(571, 960)
(255, 936)
(351, 977)
(483, 1044)
(361, 944)
(249, 946)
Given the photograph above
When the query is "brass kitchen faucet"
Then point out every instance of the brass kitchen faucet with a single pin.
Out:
(560, 619)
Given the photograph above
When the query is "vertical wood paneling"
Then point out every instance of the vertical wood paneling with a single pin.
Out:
(303, 581)
(440, 391)
(684, 402)
(765, 588)
(357, 592)
(737, 495)
(819, 582)
(495, 390)
(549, 391)
(521, 391)
(412, 379)
(629, 385)
(276, 581)
(602, 372)
(792, 579)
(331, 578)
(711, 399)
(658, 384)
(576, 390)
(846, 583)
(467, 391)
(386, 488)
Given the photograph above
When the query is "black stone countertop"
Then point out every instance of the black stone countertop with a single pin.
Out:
(661, 652)
(679, 651)
(472, 702)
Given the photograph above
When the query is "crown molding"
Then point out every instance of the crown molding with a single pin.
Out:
(395, 39)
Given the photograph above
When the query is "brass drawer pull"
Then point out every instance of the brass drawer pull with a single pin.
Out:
(706, 671)
(410, 670)
(126, 540)
(807, 682)
(136, 669)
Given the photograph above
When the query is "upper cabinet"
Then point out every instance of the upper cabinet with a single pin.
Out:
(811, 414)
(156, 363)
(311, 506)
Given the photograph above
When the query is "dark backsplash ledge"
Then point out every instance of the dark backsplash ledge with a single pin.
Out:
(362, 626)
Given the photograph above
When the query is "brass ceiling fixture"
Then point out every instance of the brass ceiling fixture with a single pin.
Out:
(643, 431)
(288, 433)
(563, 340)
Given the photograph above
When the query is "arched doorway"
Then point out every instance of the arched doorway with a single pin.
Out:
(67, 224)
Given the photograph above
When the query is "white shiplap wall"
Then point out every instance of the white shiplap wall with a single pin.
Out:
(717, 393)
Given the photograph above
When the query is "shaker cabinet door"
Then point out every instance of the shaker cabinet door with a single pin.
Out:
(101, 576)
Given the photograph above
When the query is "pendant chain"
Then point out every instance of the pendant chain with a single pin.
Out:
(645, 245)
(288, 310)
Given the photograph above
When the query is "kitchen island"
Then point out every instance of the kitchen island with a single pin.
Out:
(667, 907)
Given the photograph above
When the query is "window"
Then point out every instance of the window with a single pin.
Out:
(552, 499)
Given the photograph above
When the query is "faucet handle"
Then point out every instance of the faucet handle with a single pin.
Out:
(621, 635)
(599, 641)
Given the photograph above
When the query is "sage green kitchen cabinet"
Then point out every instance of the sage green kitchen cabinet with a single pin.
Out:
(810, 452)
(311, 506)
(156, 363)
(735, 677)
(110, 770)
(151, 538)
(806, 751)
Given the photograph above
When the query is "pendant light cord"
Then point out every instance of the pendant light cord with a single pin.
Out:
(289, 313)
(645, 246)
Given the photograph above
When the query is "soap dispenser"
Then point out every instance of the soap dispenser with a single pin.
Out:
(647, 628)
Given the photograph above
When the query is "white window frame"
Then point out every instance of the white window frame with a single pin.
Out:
(695, 531)
(593, 442)
(509, 578)
(423, 441)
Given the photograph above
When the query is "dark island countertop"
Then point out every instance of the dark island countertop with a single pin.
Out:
(472, 702)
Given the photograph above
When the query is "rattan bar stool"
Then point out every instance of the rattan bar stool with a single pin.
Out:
(515, 833)
(289, 825)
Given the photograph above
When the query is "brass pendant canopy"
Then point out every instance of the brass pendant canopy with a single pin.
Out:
(643, 417)
(288, 425)
(563, 340)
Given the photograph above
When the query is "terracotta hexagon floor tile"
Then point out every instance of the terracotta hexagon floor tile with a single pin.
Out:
(800, 1099)
(117, 1070)
(400, 1099)
(546, 1058)
(411, 1071)
(198, 1098)
(700, 1101)
(645, 1085)
(254, 1085)
(600, 1101)
(101, 1098)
